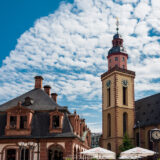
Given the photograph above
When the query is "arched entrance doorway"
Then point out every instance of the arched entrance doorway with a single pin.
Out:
(55, 152)
(11, 154)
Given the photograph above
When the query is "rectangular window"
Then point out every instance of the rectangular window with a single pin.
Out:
(11, 154)
(55, 122)
(123, 59)
(23, 122)
(13, 122)
(110, 60)
(26, 155)
(108, 97)
(124, 95)
(123, 66)
(116, 58)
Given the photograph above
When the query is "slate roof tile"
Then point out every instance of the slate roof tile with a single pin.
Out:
(41, 101)
(147, 110)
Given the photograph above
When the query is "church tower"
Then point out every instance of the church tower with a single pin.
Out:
(117, 97)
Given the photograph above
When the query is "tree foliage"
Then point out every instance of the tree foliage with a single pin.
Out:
(127, 143)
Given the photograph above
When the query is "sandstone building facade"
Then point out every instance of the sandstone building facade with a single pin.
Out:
(34, 126)
(120, 113)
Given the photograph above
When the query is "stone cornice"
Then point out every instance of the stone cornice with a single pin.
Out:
(125, 71)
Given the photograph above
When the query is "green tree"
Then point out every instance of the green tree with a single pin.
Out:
(127, 143)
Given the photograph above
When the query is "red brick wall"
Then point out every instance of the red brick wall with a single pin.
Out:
(43, 151)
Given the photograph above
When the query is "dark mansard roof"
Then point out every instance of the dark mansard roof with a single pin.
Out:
(40, 127)
(41, 104)
(147, 111)
(39, 98)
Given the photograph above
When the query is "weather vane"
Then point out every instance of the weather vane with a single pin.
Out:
(117, 24)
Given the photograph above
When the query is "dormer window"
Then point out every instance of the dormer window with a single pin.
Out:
(28, 101)
(55, 122)
(23, 122)
(13, 122)
(19, 121)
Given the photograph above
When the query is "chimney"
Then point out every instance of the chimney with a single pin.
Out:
(54, 96)
(38, 81)
(47, 89)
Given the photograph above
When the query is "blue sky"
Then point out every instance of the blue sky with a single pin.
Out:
(18, 16)
(67, 43)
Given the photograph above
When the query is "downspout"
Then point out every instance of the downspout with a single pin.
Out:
(38, 150)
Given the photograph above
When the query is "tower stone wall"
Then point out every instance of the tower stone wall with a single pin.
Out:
(117, 97)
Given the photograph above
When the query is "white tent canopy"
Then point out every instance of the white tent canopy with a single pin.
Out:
(129, 157)
(135, 153)
(100, 153)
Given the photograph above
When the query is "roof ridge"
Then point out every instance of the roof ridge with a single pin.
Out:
(148, 97)
(41, 101)
(17, 97)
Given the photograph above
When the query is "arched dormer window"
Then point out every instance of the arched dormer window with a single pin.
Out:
(109, 125)
(125, 122)
(56, 121)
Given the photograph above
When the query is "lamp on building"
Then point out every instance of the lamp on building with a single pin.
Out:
(32, 146)
(23, 146)
(138, 123)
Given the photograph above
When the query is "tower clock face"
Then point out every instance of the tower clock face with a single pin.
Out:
(108, 84)
(155, 134)
(125, 83)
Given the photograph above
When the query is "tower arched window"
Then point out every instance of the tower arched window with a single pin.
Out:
(109, 125)
(125, 92)
(108, 85)
(125, 122)
(109, 146)
(116, 58)
(108, 97)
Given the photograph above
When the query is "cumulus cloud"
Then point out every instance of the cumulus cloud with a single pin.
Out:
(69, 48)
(142, 10)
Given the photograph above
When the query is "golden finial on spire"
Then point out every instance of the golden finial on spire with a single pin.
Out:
(117, 24)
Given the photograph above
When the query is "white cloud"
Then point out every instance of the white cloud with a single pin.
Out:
(127, 1)
(142, 10)
(95, 127)
(152, 48)
(141, 29)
